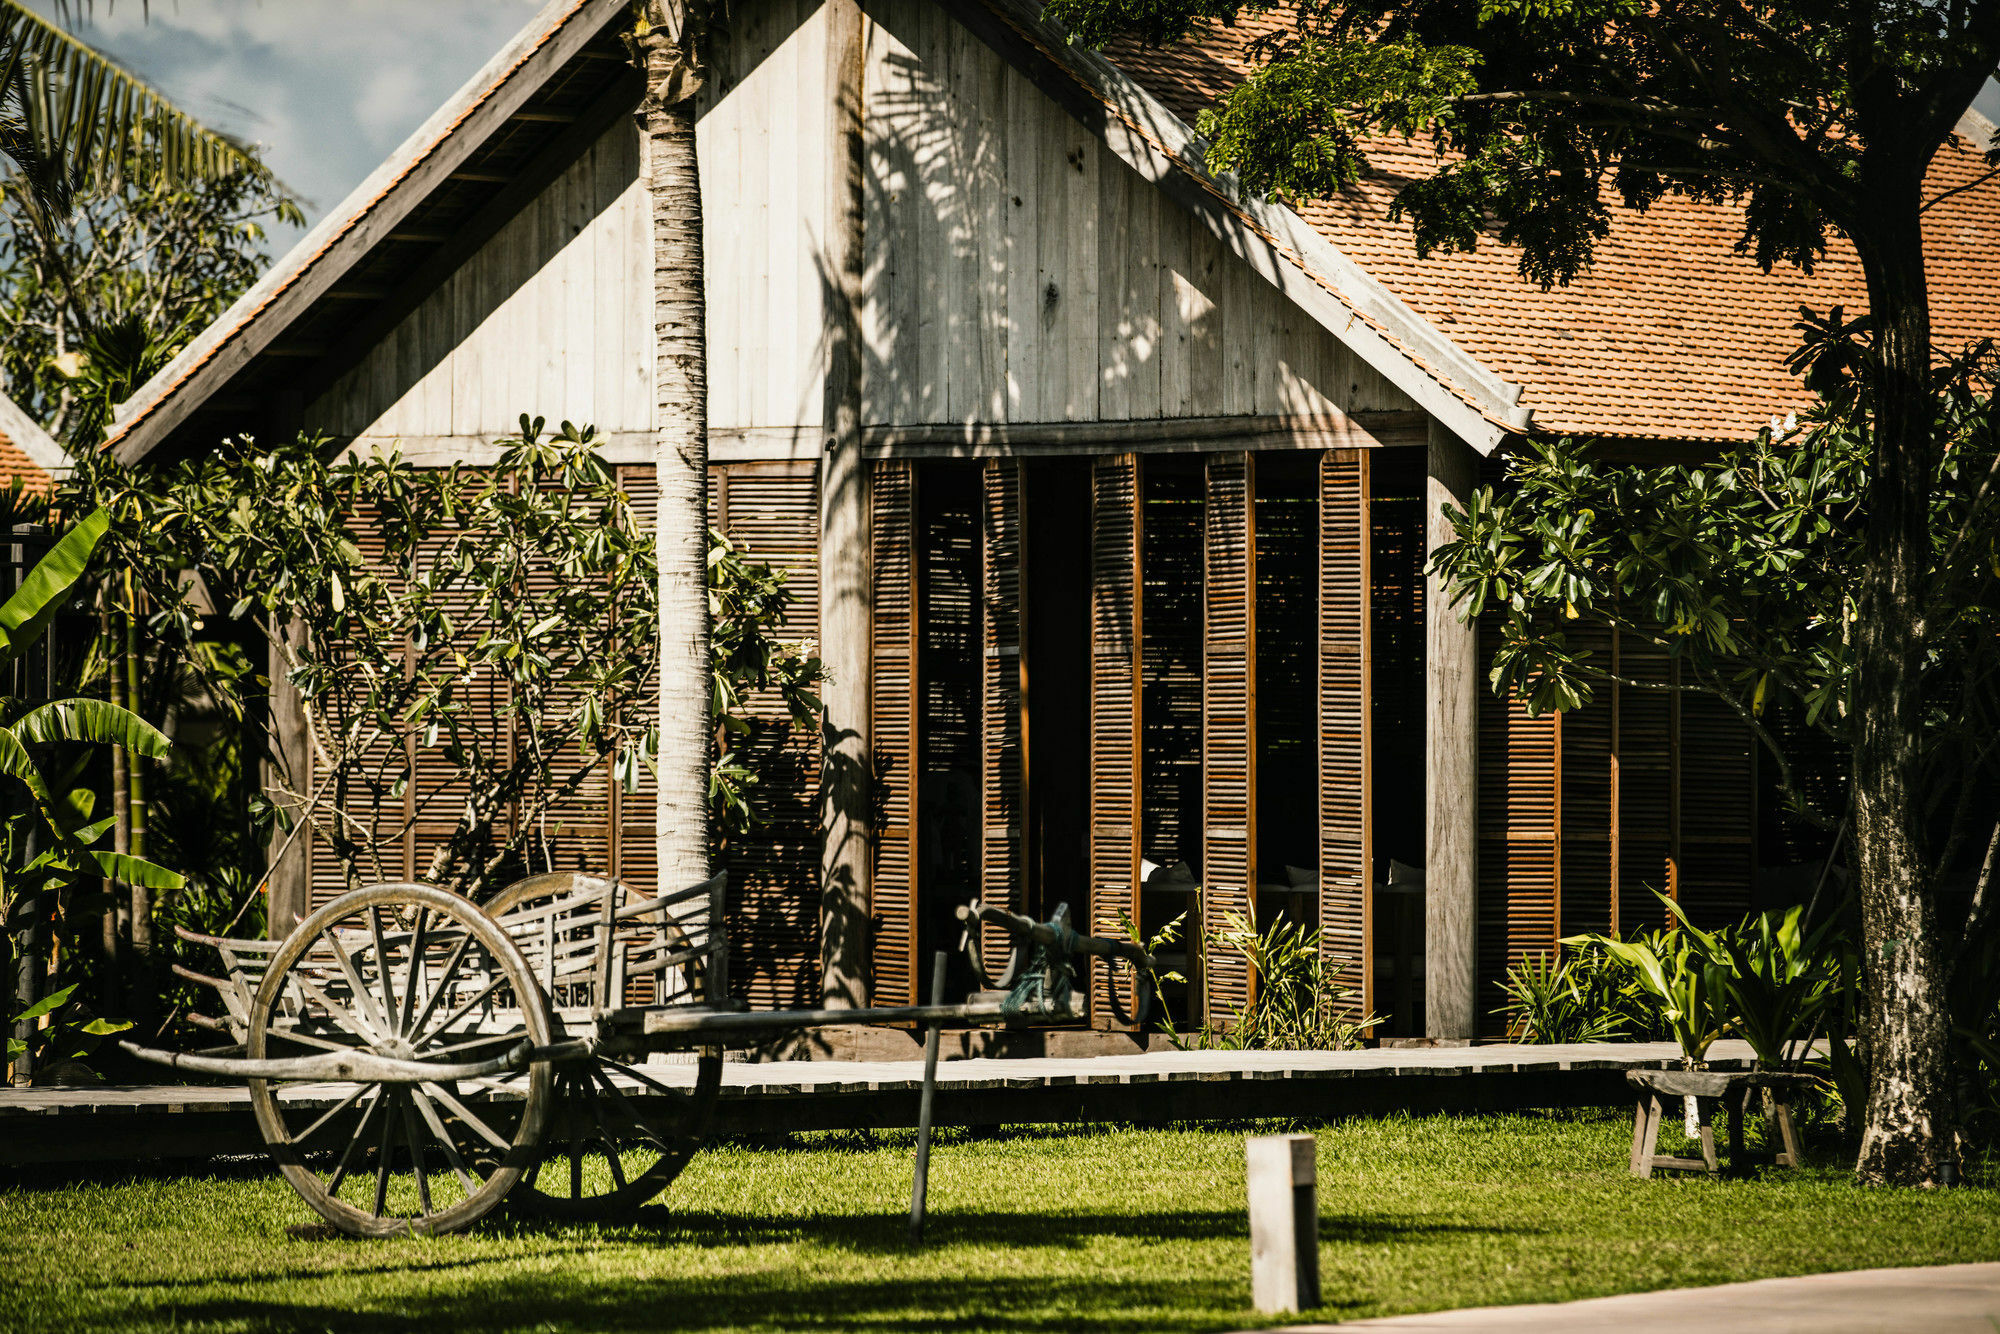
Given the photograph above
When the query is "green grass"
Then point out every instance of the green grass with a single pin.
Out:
(1088, 1230)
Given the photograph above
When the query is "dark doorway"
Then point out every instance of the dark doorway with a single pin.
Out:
(949, 641)
(1055, 564)
(1396, 507)
(1287, 790)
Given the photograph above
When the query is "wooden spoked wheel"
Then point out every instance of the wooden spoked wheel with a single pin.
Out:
(417, 974)
(618, 1134)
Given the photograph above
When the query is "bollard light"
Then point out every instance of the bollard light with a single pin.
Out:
(1284, 1222)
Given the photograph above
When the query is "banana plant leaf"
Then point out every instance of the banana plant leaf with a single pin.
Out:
(25, 615)
(93, 720)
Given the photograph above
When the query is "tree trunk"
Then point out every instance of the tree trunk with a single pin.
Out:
(1907, 1136)
(681, 458)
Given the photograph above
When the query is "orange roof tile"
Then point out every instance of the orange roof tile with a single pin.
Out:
(15, 464)
(1670, 335)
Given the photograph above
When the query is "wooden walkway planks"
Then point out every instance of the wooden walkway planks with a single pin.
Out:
(119, 1124)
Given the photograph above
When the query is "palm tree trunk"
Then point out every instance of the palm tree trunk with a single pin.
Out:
(681, 461)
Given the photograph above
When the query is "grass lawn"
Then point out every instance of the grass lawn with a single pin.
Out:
(1034, 1230)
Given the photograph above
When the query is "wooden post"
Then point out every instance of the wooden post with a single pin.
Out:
(1451, 761)
(287, 777)
(1284, 1222)
(844, 605)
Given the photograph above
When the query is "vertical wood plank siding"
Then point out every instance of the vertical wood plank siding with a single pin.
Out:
(1229, 713)
(893, 524)
(1346, 695)
(1114, 711)
(771, 510)
(1003, 800)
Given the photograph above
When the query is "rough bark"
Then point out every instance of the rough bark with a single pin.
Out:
(680, 451)
(1907, 1136)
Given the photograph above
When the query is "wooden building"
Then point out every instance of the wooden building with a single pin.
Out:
(1106, 487)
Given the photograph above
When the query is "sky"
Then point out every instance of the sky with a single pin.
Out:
(327, 87)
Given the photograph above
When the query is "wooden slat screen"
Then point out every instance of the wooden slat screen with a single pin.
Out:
(1648, 786)
(1519, 819)
(1114, 710)
(1585, 899)
(1229, 712)
(1346, 695)
(1583, 815)
(893, 488)
(771, 510)
(1003, 799)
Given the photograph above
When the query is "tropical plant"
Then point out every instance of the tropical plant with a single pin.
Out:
(1580, 995)
(50, 853)
(1297, 1002)
(1821, 118)
(497, 624)
(1779, 978)
(1683, 980)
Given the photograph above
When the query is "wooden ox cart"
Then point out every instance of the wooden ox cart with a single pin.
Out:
(414, 1058)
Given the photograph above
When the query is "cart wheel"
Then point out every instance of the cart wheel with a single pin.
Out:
(617, 1134)
(418, 974)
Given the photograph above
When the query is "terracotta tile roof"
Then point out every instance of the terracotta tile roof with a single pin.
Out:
(1670, 335)
(15, 464)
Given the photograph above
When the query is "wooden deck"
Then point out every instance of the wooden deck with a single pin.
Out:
(126, 1123)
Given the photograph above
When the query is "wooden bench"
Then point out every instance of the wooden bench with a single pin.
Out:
(1733, 1089)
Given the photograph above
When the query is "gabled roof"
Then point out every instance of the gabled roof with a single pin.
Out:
(27, 452)
(548, 93)
(1671, 335)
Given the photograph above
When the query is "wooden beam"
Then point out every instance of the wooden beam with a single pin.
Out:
(481, 177)
(417, 236)
(845, 580)
(545, 117)
(1336, 430)
(1451, 761)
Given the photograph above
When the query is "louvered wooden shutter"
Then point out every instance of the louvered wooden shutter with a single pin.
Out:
(636, 847)
(771, 511)
(1519, 818)
(1229, 724)
(1716, 855)
(893, 486)
(1648, 787)
(1114, 710)
(1346, 695)
(1584, 888)
(1003, 800)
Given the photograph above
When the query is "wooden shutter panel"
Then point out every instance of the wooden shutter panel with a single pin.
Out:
(771, 510)
(1584, 890)
(1520, 816)
(1648, 787)
(893, 486)
(1002, 798)
(1114, 710)
(1716, 767)
(1229, 724)
(1346, 695)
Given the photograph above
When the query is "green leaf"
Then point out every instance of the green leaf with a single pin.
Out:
(98, 1028)
(16, 762)
(136, 870)
(48, 1004)
(92, 720)
(27, 613)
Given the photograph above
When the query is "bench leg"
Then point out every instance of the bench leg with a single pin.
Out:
(1781, 1113)
(1735, 1108)
(1705, 1122)
(1645, 1136)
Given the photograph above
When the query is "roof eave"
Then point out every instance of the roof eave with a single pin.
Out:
(29, 437)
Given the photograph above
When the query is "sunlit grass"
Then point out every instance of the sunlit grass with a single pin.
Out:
(1035, 1230)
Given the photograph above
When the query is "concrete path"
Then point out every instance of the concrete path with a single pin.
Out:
(1943, 1300)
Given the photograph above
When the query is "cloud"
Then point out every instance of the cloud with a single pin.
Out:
(327, 87)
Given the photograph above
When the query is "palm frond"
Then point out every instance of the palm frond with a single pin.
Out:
(71, 118)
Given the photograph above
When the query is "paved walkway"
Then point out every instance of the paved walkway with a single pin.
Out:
(1944, 1300)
